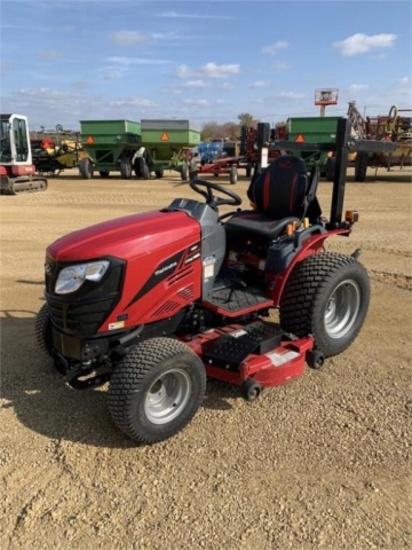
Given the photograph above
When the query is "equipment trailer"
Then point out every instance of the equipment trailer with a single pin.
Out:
(17, 172)
(394, 128)
(155, 302)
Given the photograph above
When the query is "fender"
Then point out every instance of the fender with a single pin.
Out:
(277, 279)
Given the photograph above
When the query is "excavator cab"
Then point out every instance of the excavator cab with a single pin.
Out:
(14, 140)
(17, 173)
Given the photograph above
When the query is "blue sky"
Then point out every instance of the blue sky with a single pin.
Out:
(203, 60)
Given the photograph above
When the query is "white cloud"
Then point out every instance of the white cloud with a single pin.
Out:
(290, 95)
(183, 71)
(259, 84)
(127, 38)
(45, 93)
(46, 106)
(175, 15)
(275, 48)
(209, 70)
(405, 80)
(358, 87)
(199, 102)
(226, 86)
(135, 102)
(190, 84)
(195, 84)
(113, 75)
(281, 65)
(362, 43)
(127, 61)
(220, 71)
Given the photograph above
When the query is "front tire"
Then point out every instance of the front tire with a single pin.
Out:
(43, 330)
(86, 168)
(233, 175)
(156, 390)
(327, 295)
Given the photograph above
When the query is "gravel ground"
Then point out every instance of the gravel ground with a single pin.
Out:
(322, 463)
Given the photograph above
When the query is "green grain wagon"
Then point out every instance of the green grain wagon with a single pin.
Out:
(168, 146)
(315, 130)
(111, 146)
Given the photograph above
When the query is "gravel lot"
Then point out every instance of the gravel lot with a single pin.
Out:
(322, 463)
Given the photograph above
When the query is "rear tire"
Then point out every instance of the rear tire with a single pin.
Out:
(141, 168)
(327, 295)
(361, 166)
(156, 389)
(126, 169)
(145, 171)
(86, 168)
(184, 171)
(193, 172)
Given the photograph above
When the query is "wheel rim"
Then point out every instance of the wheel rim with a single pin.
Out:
(342, 309)
(167, 396)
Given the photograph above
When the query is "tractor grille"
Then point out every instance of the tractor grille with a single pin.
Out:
(80, 320)
(82, 313)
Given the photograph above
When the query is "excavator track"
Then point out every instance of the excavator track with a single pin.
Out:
(15, 186)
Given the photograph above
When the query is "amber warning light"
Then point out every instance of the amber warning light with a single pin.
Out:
(351, 216)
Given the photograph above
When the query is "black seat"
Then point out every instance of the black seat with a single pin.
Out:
(281, 195)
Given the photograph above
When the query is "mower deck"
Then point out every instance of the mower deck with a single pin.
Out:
(257, 351)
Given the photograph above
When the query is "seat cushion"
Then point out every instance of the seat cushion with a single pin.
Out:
(252, 223)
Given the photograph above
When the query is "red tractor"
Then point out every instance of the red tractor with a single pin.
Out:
(156, 302)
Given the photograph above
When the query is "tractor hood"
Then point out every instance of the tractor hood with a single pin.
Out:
(126, 237)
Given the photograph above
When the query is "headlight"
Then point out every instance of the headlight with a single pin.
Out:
(71, 278)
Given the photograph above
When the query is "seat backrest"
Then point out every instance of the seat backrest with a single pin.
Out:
(281, 190)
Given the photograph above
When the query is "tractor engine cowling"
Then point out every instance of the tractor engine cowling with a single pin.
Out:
(124, 273)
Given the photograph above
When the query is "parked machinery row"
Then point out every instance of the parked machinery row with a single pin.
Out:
(395, 127)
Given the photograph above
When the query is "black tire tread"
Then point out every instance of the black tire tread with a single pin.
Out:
(305, 286)
(126, 169)
(134, 368)
(85, 168)
(361, 166)
(233, 175)
(40, 329)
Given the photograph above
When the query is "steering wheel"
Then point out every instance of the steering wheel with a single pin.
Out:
(231, 198)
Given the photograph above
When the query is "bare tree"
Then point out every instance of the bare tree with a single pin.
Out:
(246, 119)
(212, 130)
(232, 131)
